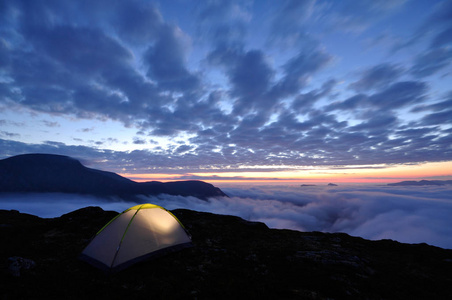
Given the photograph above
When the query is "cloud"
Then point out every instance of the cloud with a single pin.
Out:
(214, 74)
(355, 17)
(399, 94)
(139, 141)
(379, 76)
(9, 134)
(55, 204)
(378, 125)
(137, 22)
(396, 95)
(372, 212)
(431, 62)
(223, 23)
(249, 74)
(362, 211)
(87, 72)
(166, 60)
(439, 118)
(436, 27)
(77, 52)
(444, 38)
(438, 106)
(50, 124)
(288, 27)
(298, 70)
(216, 177)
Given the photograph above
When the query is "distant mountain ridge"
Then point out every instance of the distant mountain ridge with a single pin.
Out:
(43, 173)
(421, 182)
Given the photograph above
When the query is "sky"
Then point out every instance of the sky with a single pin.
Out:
(231, 91)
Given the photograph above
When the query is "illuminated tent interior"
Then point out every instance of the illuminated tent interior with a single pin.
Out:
(138, 233)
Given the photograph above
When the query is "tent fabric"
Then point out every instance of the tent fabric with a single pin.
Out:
(138, 233)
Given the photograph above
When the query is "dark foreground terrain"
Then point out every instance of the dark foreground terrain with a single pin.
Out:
(231, 259)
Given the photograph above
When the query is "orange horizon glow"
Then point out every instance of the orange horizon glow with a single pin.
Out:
(386, 174)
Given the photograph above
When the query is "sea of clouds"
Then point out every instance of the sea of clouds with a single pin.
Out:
(406, 214)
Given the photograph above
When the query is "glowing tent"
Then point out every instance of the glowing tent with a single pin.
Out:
(136, 234)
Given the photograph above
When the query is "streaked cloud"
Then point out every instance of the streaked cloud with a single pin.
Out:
(227, 84)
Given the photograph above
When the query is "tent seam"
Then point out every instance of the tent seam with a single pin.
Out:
(123, 236)
(109, 222)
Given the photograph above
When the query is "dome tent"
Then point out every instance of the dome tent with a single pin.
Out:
(136, 234)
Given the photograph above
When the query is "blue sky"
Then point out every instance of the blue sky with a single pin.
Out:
(226, 87)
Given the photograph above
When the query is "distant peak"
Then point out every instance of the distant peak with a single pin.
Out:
(46, 173)
(43, 159)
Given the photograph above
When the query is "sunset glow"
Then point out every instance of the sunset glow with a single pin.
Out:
(375, 174)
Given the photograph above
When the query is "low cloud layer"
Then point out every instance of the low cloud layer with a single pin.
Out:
(372, 212)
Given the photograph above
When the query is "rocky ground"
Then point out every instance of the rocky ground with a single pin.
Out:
(231, 258)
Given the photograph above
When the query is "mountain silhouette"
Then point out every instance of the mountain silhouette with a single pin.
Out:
(421, 182)
(48, 173)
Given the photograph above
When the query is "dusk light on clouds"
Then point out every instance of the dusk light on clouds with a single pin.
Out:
(305, 91)
(405, 214)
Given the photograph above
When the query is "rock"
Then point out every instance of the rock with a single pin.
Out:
(16, 264)
(230, 258)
